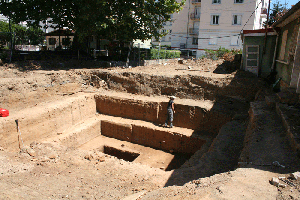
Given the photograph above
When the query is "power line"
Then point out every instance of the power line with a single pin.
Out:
(220, 36)
(250, 16)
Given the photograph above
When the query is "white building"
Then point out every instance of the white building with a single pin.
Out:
(211, 24)
(3, 18)
(165, 40)
(185, 28)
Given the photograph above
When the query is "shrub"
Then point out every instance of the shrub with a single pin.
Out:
(220, 53)
(164, 54)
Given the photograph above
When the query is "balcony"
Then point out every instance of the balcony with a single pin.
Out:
(193, 31)
(264, 11)
(195, 16)
(196, 1)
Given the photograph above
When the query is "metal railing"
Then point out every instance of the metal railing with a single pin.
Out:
(194, 16)
(193, 31)
(264, 11)
(196, 1)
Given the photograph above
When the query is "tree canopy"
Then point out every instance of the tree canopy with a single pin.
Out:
(276, 12)
(23, 35)
(112, 19)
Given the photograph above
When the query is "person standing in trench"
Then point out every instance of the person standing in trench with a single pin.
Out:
(170, 112)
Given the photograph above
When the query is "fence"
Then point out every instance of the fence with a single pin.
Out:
(28, 47)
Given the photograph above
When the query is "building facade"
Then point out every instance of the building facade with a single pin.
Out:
(166, 40)
(212, 24)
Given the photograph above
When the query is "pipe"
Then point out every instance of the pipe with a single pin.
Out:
(275, 51)
(266, 34)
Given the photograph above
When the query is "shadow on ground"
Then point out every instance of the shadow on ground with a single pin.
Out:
(224, 153)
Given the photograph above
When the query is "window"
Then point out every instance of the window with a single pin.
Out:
(195, 41)
(213, 40)
(66, 41)
(236, 19)
(234, 40)
(238, 1)
(216, 1)
(215, 20)
(52, 41)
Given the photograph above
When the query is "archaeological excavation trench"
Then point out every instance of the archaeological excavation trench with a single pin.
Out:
(125, 125)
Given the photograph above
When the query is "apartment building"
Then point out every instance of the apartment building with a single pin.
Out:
(165, 40)
(211, 24)
(185, 27)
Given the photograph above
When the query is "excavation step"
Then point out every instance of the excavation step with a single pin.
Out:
(176, 139)
(78, 134)
(136, 153)
(45, 120)
(290, 117)
(266, 143)
(222, 155)
(192, 114)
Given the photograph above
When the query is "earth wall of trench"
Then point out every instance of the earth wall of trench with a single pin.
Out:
(182, 86)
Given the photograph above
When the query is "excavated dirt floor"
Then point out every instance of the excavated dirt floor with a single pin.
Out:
(91, 133)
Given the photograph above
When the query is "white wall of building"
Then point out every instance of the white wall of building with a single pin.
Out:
(195, 21)
(52, 46)
(232, 18)
(166, 40)
(181, 25)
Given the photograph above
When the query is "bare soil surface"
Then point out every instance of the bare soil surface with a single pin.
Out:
(53, 171)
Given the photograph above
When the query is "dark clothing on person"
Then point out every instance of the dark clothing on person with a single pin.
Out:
(170, 113)
(170, 104)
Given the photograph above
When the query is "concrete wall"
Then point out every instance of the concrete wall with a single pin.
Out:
(160, 61)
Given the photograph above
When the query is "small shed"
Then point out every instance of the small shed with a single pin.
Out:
(61, 37)
(258, 51)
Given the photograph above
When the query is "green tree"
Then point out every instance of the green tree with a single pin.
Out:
(22, 34)
(276, 12)
(111, 19)
(35, 35)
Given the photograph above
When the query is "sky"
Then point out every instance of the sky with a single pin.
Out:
(289, 3)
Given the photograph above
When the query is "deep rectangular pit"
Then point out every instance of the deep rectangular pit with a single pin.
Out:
(178, 160)
(121, 154)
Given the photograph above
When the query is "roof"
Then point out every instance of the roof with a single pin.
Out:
(290, 16)
(61, 32)
(259, 32)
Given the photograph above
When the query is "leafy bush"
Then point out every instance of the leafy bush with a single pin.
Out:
(220, 53)
(4, 55)
(164, 54)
